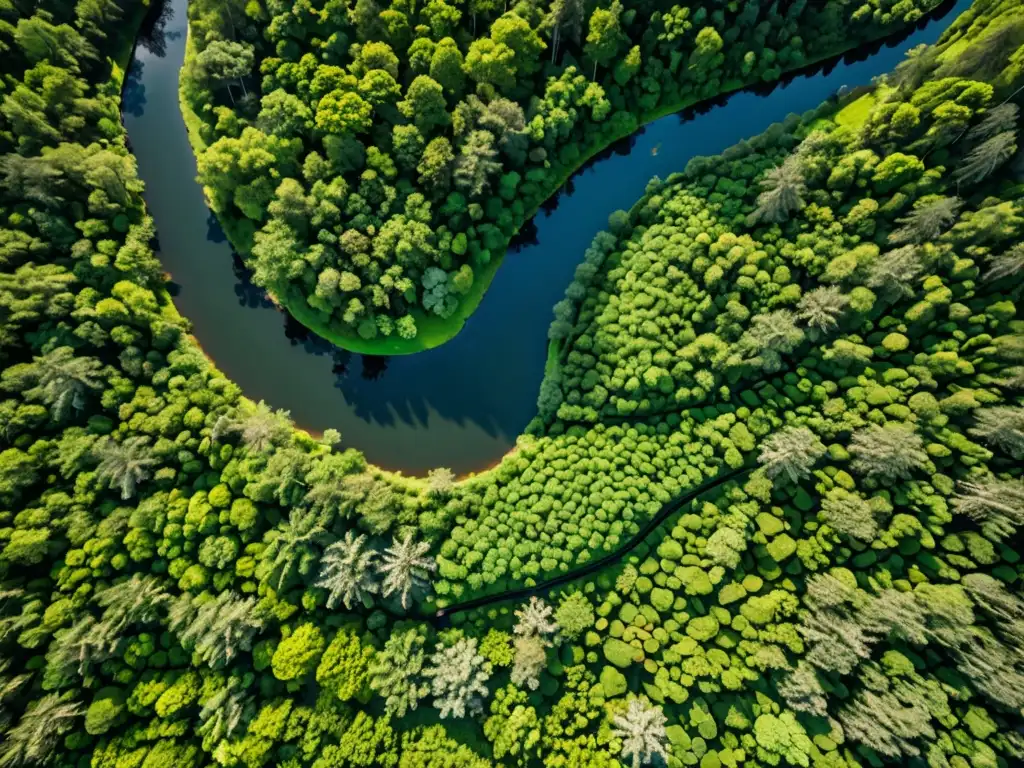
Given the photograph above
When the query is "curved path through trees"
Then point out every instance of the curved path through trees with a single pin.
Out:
(463, 404)
(443, 614)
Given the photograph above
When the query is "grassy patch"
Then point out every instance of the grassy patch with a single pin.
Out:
(855, 114)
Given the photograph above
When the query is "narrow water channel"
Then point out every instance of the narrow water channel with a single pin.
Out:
(463, 404)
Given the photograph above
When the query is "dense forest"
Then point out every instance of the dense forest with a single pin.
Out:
(371, 161)
(803, 354)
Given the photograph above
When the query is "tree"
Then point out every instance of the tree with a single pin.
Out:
(435, 166)
(992, 668)
(225, 713)
(513, 728)
(531, 656)
(641, 729)
(298, 654)
(343, 113)
(34, 740)
(225, 60)
(459, 677)
(215, 629)
(345, 666)
(534, 619)
(791, 451)
(516, 34)
(885, 724)
(803, 691)
(781, 740)
(822, 307)
(335, 483)
(1002, 427)
(783, 190)
(930, 217)
(887, 453)
(982, 161)
(75, 650)
(849, 514)
(395, 672)
(477, 163)
(446, 66)
(292, 550)
(59, 379)
(895, 272)
(769, 337)
(284, 114)
(575, 615)
(424, 104)
(998, 505)
(1006, 264)
(406, 568)
(347, 572)
(491, 62)
(996, 121)
(259, 426)
(440, 482)
(564, 15)
(124, 465)
(138, 600)
(605, 37)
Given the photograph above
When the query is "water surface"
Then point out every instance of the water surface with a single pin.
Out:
(463, 404)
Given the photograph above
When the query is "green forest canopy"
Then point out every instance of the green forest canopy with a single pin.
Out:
(372, 161)
(827, 312)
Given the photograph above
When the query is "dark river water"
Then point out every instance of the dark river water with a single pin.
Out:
(460, 405)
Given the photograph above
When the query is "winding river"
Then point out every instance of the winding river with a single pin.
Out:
(460, 405)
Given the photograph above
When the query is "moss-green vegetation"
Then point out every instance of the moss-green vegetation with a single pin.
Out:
(372, 164)
(829, 310)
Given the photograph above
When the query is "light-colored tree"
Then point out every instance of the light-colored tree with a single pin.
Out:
(641, 728)
(124, 465)
(35, 738)
(535, 618)
(894, 273)
(769, 337)
(997, 505)
(440, 482)
(803, 691)
(887, 453)
(259, 426)
(790, 452)
(996, 121)
(930, 217)
(850, 514)
(138, 600)
(1002, 427)
(347, 572)
(1006, 264)
(406, 568)
(822, 307)
(985, 159)
(75, 650)
(216, 630)
(783, 190)
(62, 381)
(225, 713)
(530, 658)
(459, 676)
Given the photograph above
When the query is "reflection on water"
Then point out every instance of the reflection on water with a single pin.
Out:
(463, 404)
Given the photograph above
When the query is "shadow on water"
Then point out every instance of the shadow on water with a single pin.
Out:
(462, 404)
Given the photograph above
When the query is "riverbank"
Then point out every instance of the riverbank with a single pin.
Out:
(434, 331)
